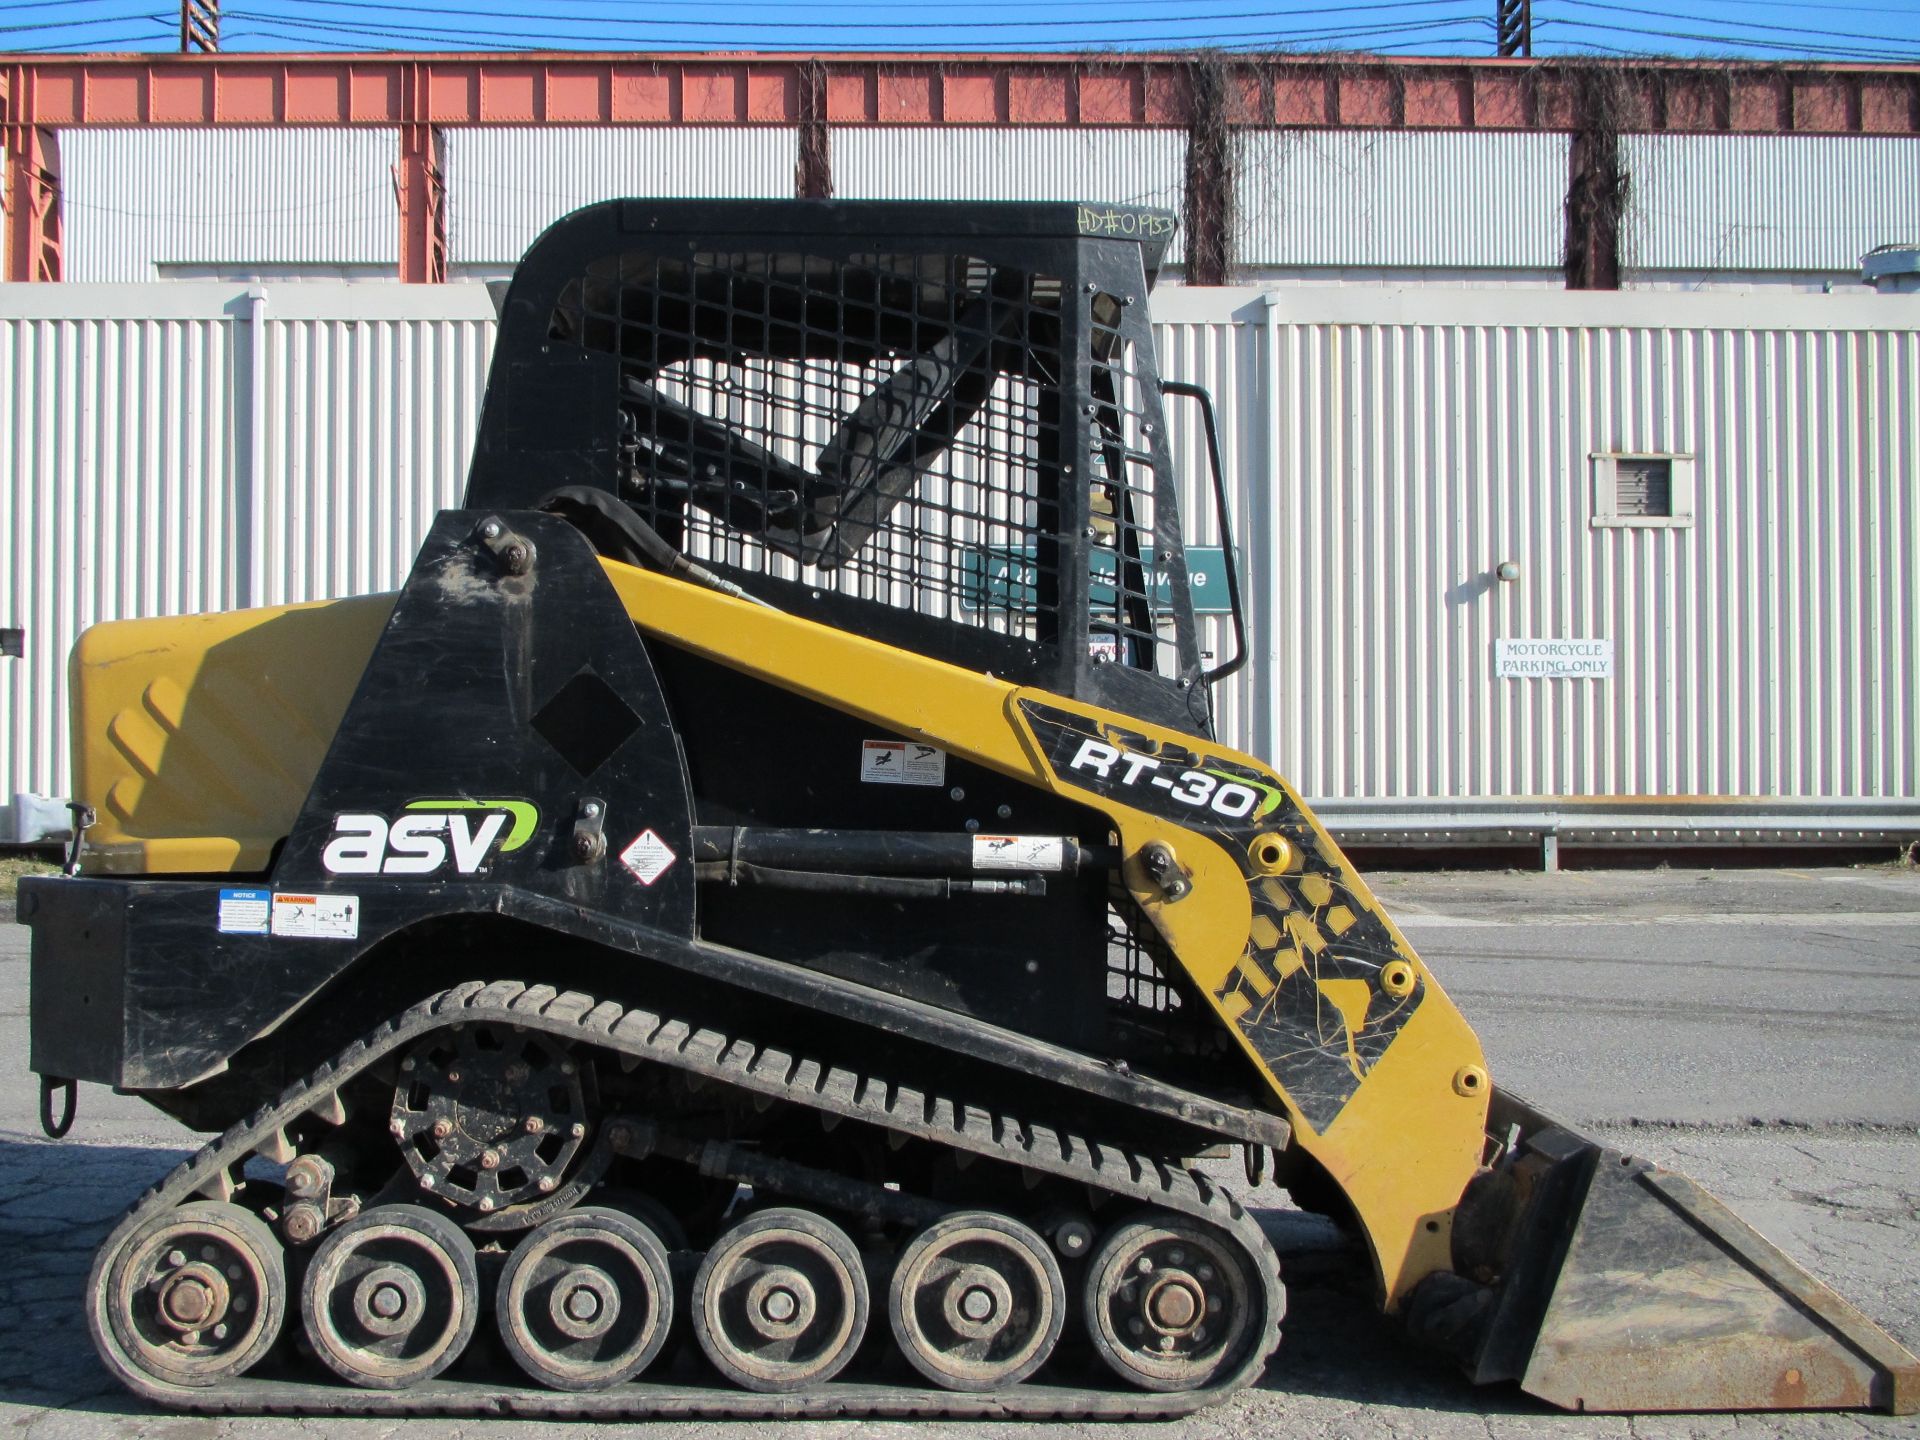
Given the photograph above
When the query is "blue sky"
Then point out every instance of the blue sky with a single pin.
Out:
(1878, 30)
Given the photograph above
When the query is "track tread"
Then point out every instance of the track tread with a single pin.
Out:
(774, 1065)
(500, 995)
(601, 1018)
(706, 1054)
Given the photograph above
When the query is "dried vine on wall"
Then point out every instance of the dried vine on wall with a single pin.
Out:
(1599, 189)
(813, 174)
(1210, 201)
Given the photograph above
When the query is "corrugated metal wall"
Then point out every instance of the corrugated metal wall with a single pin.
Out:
(1387, 449)
(1223, 355)
(1400, 198)
(1419, 439)
(1768, 202)
(139, 199)
(119, 456)
(506, 184)
(151, 468)
(1450, 202)
(1134, 167)
(369, 423)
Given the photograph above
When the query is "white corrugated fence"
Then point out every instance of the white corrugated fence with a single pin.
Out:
(154, 202)
(1113, 166)
(319, 201)
(178, 447)
(505, 184)
(1400, 198)
(1703, 203)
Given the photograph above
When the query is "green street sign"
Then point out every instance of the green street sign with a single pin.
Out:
(1003, 578)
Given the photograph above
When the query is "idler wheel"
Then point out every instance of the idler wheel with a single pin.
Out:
(1169, 1303)
(977, 1302)
(586, 1300)
(391, 1296)
(194, 1296)
(780, 1302)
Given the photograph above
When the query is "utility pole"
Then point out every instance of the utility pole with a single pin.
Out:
(1513, 25)
(199, 26)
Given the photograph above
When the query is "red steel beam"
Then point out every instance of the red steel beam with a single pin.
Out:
(420, 188)
(1132, 91)
(31, 250)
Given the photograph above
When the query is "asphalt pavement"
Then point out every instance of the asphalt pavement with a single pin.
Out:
(1752, 1028)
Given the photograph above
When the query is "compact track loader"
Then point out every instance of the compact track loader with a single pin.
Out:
(760, 923)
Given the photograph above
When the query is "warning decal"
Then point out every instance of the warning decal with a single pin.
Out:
(316, 917)
(648, 857)
(1019, 852)
(902, 762)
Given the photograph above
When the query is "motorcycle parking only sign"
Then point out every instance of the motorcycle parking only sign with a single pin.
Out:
(1553, 659)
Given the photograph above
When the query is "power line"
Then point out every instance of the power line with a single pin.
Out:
(164, 32)
(817, 6)
(1848, 52)
(545, 38)
(80, 24)
(971, 7)
(888, 24)
(1823, 33)
(891, 26)
(1395, 26)
(1791, 5)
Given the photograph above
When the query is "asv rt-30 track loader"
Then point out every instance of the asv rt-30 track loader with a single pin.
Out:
(761, 924)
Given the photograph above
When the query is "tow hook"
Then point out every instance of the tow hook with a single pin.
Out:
(51, 1085)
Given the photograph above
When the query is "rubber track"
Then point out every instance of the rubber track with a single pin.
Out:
(763, 1070)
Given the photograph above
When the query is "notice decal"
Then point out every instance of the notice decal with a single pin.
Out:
(316, 917)
(902, 762)
(244, 912)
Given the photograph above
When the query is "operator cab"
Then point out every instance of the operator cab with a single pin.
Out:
(936, 426)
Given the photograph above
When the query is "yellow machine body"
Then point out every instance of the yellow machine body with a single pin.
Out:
(197, 737)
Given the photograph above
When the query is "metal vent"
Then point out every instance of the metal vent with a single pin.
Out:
(1643, 488)
(1648, 490)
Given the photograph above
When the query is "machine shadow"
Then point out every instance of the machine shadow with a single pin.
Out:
(57, 1202)
(1335, 1345)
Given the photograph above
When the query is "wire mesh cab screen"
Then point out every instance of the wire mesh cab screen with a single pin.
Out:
(950, 444)
(881, 420)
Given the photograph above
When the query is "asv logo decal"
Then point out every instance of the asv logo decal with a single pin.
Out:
(1217, 790)
(430, 833)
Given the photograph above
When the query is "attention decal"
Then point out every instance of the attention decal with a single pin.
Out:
(428, 837)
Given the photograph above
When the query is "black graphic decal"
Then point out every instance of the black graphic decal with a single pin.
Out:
(1305, 992)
